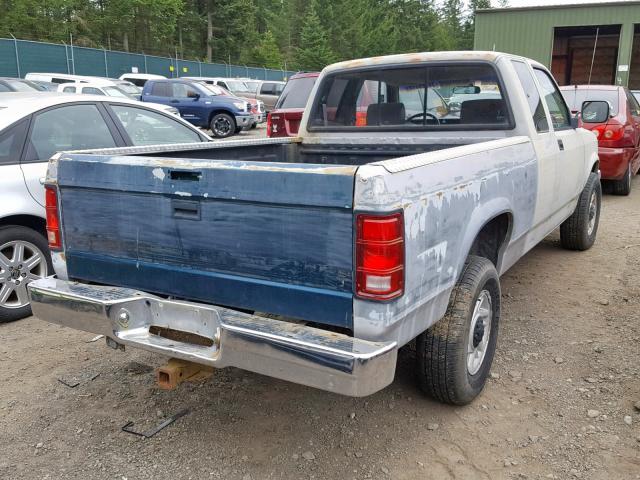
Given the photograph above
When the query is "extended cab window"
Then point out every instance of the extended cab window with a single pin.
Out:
(92, 91)
(161, 89)
(533, 96)
(463, 96)
(69, 89)
(558, 110)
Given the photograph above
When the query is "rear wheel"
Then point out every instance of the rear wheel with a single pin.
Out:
(24, 257)
(623, 186)
(454, 356)
(578, 232)
(223, 125)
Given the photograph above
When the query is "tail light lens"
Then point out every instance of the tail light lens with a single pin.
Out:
(53, 219)
(380, 256)
(268, 124)
(608, 133)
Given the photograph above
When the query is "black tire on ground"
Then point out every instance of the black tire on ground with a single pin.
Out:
(623, 186)
(253, 125)
(442, 351)
(238, 130)
(223, 125)
(18, 233)
(578, 232)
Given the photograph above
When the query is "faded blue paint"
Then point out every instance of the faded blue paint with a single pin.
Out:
(278, 183)
(266, 237)
(316, 304)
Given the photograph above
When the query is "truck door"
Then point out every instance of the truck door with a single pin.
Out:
(190, 105)
(570, 165)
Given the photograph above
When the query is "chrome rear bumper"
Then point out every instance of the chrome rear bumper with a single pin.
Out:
(300, 354)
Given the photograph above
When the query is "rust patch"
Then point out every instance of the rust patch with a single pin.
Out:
(181, 336)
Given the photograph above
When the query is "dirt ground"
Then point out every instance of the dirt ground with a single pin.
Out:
(559, 405)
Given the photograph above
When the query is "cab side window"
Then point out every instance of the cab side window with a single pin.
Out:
(69, 89)
(533, 96)
(182, 90)
(267, 89)
(92, 91)
(558, 109)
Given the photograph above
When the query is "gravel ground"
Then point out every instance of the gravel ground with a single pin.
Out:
(559, 405)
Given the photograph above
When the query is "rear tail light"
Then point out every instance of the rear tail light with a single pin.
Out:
(609, 132)
(380, 256)
(268, 124)
(53, 219)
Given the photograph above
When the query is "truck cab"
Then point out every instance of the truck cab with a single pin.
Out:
(225, 116)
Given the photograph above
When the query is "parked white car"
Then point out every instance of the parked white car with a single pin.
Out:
(139, 79)
(109, 89)
(32, 129)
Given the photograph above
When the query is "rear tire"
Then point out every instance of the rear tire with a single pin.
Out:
(454, 356)
(16, 271)
(223, 125)
(578, 232)
(623, 186)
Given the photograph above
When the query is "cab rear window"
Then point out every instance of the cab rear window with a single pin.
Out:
(453, 96)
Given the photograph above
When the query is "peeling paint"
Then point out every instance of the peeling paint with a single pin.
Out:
(158, 173)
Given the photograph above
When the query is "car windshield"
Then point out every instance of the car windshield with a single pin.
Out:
(115, 92)
(575, 97)
(296, 92)
(252, 86)
(237, 86)
(129, 88)
(22, 86)
(406, 98)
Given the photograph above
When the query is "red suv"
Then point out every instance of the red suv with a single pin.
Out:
(284, 119)
(618, 138)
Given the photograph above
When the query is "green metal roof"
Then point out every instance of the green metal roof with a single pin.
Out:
(529, 31)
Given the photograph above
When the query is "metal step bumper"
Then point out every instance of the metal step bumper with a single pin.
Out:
(218, 337)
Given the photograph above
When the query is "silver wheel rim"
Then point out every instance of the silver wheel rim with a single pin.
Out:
(593, 210)
(221, 126)
(479, 333)
(20, 263)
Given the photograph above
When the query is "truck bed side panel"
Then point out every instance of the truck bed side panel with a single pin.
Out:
(447, 197)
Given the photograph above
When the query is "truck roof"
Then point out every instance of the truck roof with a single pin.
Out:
(420, 57)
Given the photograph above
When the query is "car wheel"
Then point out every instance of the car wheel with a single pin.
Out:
(24, 256)
(223, 125)
(454, 356)
(578, 232)
(623, 186)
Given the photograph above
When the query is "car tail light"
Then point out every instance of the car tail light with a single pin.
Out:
(268, 124)
(608, 132)
(380, 256)
(361, 119)
(53, 219)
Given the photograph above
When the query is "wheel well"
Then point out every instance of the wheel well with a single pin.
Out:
(215, 112)
(30, 221)
(490, 240)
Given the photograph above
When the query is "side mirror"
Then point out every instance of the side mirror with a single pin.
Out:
(192, 94)
(595, 111)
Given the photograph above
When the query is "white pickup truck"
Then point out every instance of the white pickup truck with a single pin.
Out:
(314, 259)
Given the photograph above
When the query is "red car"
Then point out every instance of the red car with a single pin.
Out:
(284, 119)
(618, 138)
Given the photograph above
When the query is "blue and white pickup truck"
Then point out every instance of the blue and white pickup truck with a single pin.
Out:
(314, 259)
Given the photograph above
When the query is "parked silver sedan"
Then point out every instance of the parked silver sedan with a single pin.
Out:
(33, 127)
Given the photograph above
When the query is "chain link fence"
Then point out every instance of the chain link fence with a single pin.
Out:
(19, 57)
